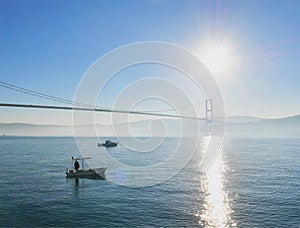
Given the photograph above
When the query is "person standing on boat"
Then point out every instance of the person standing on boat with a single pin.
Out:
(76, 165)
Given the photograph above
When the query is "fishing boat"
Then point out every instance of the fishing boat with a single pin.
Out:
(108, 143)
(97, 173)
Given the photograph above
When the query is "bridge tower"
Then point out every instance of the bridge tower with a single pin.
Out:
(208, 114)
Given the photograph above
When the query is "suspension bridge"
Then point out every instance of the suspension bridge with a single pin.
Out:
(65, 104)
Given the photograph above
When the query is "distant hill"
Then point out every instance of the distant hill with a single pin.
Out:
(139, 128)
(238, 125)
(25, 129)
(250, 119)
(281, 127)
(294, 120)
(243, 119)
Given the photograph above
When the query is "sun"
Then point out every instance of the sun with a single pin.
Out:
(220, 58)
(217, 59)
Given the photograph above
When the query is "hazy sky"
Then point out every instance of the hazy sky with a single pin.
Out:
(252, 48)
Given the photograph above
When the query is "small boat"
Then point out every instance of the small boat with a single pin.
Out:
(108, 143)
(97, 173)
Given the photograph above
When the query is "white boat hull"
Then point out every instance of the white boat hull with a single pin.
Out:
(98, 173)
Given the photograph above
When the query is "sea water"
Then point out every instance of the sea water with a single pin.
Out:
(254, 182)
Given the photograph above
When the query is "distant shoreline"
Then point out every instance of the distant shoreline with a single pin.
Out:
(248, 126)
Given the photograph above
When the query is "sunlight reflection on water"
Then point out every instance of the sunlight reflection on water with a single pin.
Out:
(216, 211)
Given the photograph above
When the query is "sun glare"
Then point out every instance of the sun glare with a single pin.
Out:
(219, 58)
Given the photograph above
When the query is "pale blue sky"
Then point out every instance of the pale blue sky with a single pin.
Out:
(48, 45)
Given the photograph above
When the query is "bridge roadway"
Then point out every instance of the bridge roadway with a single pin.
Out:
(96, 110)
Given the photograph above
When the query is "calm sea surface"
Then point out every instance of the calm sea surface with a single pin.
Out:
(256, 182)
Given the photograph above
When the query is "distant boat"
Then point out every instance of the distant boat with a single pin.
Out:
(108, 143)
(97, 173)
